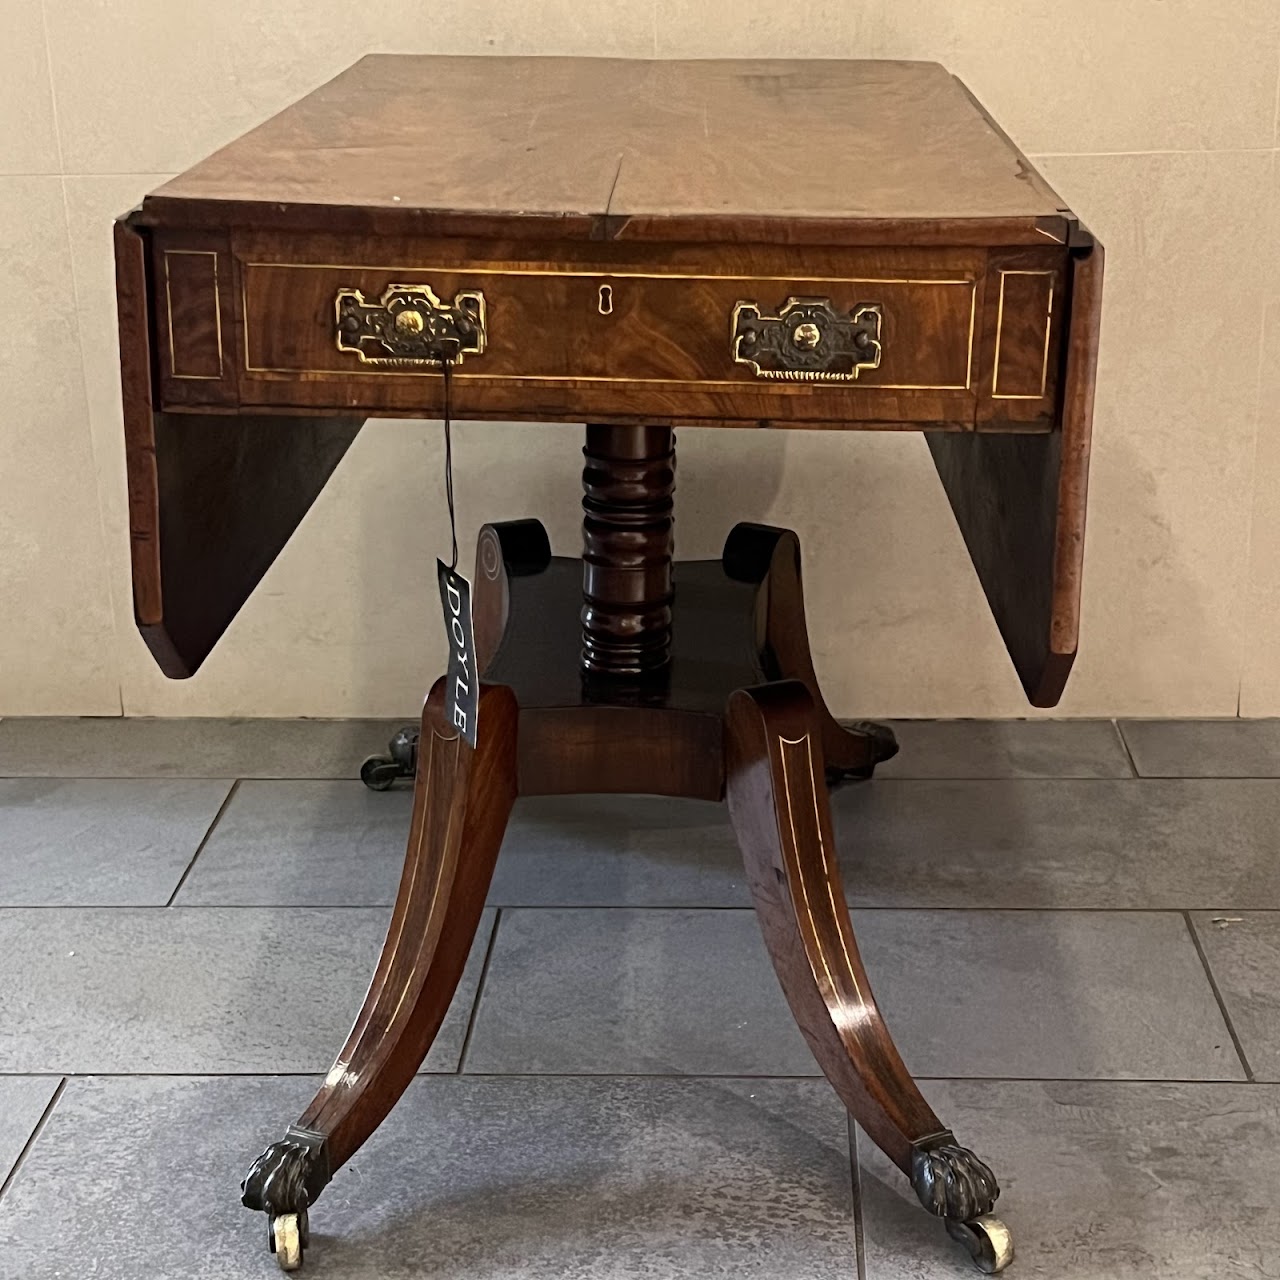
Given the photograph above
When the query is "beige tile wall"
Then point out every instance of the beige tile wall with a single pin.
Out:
(1156, 119)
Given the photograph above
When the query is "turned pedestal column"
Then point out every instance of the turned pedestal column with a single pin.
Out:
(627, 545)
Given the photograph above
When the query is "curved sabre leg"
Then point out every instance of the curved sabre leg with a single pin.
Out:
(770, 556)
(462, 798)
(510, 549)
(778, 803)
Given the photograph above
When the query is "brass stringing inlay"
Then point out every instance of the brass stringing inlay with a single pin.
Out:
(445, 860)
(800, 889)
(217, 314)
(697, 383)
(996, 393)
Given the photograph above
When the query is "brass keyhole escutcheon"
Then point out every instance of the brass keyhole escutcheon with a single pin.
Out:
(606, 300)
(806, 336)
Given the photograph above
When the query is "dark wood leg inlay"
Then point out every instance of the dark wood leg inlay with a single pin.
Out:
(627, 544)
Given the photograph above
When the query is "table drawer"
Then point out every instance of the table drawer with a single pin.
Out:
(880, 338)
(573, 326)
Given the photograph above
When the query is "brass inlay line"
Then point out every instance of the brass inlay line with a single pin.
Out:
(799, 880)
(437, 905)
(973, 319)
(624, 275)
(742, 384)
(459, 375)
(217, 314)
(1048, 330)
(396, 933)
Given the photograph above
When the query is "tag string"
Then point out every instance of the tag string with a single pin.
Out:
(446, 365)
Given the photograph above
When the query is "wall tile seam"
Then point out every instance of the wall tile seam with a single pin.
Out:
(1244, 591)
(1151, 151)
(113, 675)
(53, 97)
(164, 174)
(1243, 608)
(83, 173)
(95, 459)
(1275, 130)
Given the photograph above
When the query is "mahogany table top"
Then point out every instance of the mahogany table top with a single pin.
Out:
(610, 148)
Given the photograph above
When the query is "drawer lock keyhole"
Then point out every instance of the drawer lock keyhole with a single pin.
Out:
(606, 300)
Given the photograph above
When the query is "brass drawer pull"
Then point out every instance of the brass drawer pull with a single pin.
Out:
(409, 326)
(807, 341)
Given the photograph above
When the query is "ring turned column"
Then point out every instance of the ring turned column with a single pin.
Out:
(627, 545)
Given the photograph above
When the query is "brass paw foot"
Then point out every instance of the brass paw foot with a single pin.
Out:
(954, 1184)
(282, 1182)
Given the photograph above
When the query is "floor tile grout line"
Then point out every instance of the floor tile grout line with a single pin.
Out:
(204, 840)
(744, 908)
(480, 986)
(1128, 750)
(195, 907)
(1217, 995)
(1025, 779)
(855, 1175)
(879, 781)
(1215, 1082)
(188, 777)
(35, 1134)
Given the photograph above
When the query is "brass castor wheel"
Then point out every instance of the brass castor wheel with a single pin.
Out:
(882, 742)
(288, 1235)
(987, 1239)
(380, 773)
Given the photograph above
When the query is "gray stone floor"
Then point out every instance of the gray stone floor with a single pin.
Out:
(1073, 927)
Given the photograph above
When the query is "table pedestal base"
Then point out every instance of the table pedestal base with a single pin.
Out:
(735, 712)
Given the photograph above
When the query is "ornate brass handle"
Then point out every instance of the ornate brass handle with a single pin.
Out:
(807, 341)
(409, 326)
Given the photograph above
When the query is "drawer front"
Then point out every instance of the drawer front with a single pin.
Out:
(564, 327)
(952, 337)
